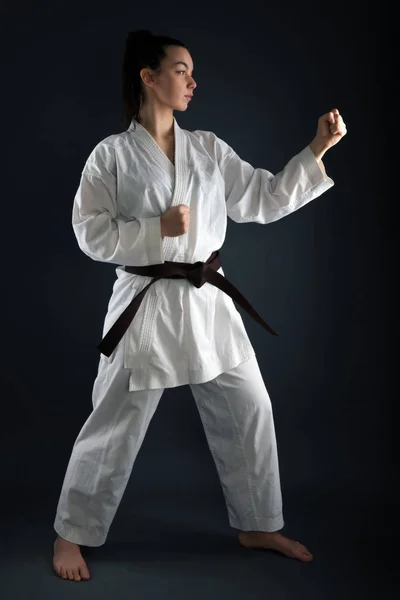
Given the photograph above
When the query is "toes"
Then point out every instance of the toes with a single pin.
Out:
(76, 574)
(303, 552)
(84, 572)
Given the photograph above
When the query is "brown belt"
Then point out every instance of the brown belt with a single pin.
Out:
(197, 273)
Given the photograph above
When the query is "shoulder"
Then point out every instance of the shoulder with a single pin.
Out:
(212, 143)
(102, 159)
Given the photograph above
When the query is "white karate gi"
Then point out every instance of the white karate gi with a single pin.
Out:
(181, 334)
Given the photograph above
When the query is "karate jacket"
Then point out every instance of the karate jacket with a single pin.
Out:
(181, 334)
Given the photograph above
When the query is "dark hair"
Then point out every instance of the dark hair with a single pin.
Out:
(142, 49)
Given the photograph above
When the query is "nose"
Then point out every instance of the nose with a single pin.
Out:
(193, 85)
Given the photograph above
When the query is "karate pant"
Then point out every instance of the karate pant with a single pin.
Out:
(237, 417)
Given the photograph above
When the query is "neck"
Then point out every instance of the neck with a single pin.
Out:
(158, 121)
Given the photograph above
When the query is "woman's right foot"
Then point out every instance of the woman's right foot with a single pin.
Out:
(68, 562)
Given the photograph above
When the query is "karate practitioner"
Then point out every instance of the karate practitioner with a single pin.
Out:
(154, 200)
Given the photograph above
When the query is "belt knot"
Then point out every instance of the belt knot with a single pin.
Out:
(196, 274)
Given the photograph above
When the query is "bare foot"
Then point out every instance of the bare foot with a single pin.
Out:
(275, 541)
(68, 562)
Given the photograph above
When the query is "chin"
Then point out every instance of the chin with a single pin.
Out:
(180, 107)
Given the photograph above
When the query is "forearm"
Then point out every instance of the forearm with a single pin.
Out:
(258, 196)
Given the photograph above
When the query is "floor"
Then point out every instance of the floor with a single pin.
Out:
(190, 555)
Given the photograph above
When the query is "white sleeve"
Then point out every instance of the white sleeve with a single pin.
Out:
(258, 196)
(102, 235)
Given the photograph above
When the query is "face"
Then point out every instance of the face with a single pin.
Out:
(171, 86)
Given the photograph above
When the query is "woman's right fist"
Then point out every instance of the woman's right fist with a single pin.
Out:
(175, 221)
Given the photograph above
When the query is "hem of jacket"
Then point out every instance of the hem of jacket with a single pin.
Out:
(202, 375)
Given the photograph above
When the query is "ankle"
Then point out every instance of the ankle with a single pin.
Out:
(61, 540)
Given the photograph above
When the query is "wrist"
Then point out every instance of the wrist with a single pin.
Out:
(318, 148)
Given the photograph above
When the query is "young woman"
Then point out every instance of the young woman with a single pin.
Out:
(154, 200)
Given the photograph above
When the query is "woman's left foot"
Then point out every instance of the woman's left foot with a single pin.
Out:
(275, 541)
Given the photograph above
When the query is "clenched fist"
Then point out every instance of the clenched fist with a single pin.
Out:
(175, 221)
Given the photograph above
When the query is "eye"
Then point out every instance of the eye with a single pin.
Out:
(183, 72)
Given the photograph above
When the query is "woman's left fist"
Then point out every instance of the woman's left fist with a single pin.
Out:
(331, 129)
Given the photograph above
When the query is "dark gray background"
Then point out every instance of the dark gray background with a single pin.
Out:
(265, 72)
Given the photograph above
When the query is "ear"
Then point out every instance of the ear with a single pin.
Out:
(147, 77)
